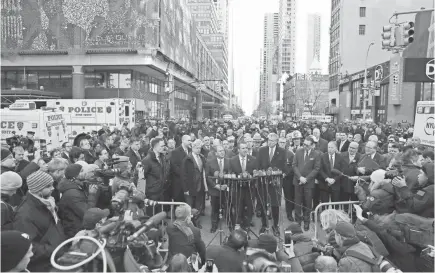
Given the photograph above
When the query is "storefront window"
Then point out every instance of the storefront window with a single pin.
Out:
(44, 80)
(21, 80)
(11, 79)
(54, 80)
(32, 80)
(66, 80)
(3, 82)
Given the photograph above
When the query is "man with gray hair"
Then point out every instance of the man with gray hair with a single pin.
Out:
(193, 177)
(364, 166)
(271, 156)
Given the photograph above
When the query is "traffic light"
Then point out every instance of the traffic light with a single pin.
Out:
(388, 37)
(396, 79)
(408, 33)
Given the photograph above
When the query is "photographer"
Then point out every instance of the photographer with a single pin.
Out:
(302, 248)
(76, 199)
(421, 200)
(355, 254)
(228, 257)
(412, 162)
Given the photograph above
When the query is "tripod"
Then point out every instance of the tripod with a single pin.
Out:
(220, 231)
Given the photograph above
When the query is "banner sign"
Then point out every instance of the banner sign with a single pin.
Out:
(419, 70)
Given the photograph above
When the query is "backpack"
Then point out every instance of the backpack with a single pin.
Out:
(374, 262)
(416, 229)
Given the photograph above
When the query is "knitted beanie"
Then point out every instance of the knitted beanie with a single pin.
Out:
(72, 171)
(10, 181)
(38, 180)
(14, 246)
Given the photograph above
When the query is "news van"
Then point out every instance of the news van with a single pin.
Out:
(424, 122)
(48, 125)
(87, 115)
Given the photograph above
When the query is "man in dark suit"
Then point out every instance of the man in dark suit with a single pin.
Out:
(66, 146)
(371, 153)
(271, 156)
(306, 165)
(133, 152)
(287, 183)
(241, 196)
(321, 145)
(343, 144)
(176, 160)
(350, 159)
(326, 133)
(216, 188)
(193, 177)
(329, 183)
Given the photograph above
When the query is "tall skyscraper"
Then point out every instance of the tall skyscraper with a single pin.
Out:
(269, 70)
(313, 41)
(222, 9)
(287, 36)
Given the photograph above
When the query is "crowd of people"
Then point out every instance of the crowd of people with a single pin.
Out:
(50, 196)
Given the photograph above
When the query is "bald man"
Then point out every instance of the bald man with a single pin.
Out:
(176, 160)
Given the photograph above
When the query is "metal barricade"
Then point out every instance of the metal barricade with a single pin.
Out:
(344, 206)
(163, 247)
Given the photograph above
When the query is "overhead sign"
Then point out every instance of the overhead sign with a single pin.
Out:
(419, 70)
(424, 122)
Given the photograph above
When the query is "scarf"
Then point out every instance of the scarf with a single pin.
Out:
(50, 204)
(183, 226)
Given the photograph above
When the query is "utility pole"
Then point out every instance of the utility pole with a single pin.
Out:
(365, 85)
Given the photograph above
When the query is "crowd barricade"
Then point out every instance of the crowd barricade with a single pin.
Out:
(346, 206)
(163, 246)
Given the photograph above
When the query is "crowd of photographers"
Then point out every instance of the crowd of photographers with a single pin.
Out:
(50, 196)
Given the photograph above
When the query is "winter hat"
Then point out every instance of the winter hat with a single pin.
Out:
(72, 171)
(5, 153)
(14, 246)
(10, 181)
(295, 228)
(345, 229)
(38, 180)
(264, 241)
(29, 169)
(93, 216)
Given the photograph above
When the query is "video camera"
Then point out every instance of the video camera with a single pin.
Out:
(326, 250)
(258, 260)
(396, 171)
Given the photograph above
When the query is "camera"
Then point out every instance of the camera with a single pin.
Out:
(326, 250)
(391, 174)
(209, 265)
(260, 261)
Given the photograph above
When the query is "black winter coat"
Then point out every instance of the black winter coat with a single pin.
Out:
(34, 218)
(72, 206)
(155, 173)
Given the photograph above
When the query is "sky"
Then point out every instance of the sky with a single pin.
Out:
(248, 16)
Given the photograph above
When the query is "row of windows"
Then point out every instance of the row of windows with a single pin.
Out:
(47, 80)
(333, 82)
(334, 4)
(335, 18)
(335, 34)
(362, 12)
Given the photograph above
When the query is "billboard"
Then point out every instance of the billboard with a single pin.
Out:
(66, 24)
(419, 70)
(178, 38)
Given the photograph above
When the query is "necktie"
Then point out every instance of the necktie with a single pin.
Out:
(270, 154)
(220, 165)
(331, 161)
(243, 165)
(305, 156)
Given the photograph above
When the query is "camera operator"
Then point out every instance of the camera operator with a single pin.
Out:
(412, 163)
(76, 198)
(229, 257)
(183, 236)
(302, 248)
(421, 200)
(354, 253)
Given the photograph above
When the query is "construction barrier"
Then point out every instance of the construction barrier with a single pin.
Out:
(346, 206)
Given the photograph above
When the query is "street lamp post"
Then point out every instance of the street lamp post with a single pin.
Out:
(365, 87)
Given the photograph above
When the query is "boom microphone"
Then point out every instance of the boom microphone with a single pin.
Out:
(154, 220)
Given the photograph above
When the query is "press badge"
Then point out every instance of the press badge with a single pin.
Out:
(421, 193)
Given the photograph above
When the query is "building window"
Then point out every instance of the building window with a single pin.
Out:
(362, 29)
(428, 92)
(362, 12)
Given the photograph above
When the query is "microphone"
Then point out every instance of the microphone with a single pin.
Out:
(154, 220)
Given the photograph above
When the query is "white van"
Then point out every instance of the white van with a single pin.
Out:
(86, 115)
(424, 122)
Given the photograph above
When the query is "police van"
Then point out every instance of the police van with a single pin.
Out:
(424, 122)
(48, 124)
(87, 115)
